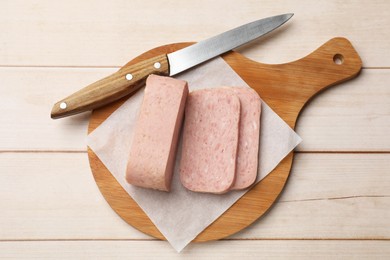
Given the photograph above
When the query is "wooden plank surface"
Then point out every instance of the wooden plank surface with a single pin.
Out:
(335, 205)
(287, 249)
(361, 104)
(101, 33)
(323, 192)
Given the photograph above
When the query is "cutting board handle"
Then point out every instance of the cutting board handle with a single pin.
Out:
(286, 88)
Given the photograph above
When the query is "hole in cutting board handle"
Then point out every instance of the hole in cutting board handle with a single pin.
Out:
(338, 59)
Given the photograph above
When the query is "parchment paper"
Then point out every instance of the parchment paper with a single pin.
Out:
(181, 215)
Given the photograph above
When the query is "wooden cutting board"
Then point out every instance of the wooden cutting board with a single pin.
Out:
(286, 88)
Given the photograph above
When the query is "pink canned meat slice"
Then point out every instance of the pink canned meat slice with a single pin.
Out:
(249, 135)
(210, 139)
(152, 154)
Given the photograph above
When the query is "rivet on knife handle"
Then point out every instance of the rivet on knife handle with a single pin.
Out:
(111, 88)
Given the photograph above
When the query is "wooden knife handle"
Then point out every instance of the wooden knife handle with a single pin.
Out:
(122, 83)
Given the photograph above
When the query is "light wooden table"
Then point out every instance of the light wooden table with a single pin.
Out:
(336, 203)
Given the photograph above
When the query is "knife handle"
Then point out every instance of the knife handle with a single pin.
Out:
(123, 82)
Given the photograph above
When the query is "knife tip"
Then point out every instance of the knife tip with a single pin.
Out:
(289, 15)
(285, 17)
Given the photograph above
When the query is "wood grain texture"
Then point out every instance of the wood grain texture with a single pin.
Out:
(286, 88)
(50, 206)
(349, 117)
(101, 33)
(59, 199)
(111, 88)
(361, 104)
(292, 249)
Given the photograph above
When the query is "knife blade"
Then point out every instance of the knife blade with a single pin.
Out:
(131, 78)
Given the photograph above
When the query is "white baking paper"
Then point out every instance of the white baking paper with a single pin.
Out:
(181, 215)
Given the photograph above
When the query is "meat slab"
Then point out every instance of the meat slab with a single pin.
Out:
(153, 150)
(249, 135)
(210, 140)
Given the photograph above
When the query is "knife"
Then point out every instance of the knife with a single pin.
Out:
(131, 78)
